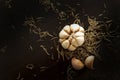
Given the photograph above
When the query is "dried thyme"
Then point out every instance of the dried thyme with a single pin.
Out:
(8, 3)
(43, 47)
(3, 49)
(18, 77)
(31, 48)
(43, 68)
(30, 66)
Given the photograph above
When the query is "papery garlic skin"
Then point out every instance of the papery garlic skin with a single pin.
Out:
(89, 61)
(77, 64)
(71, 36)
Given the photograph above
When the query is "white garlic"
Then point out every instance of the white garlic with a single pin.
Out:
(77, 64)
(71, 48)
(74, 27)
(80, 40)
(74, 43)
(71, 36)
(89, 62)
(63, 34)
(67, 28)
(65, 44)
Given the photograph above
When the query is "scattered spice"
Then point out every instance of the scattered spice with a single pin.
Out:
(105, 6)
(43, 68)
(8, 3)
(31, 48)
(22, 79)
(43, 47)
(34, 75)
(35, 28)
(30, 66)
(18, 77)
(3, 49)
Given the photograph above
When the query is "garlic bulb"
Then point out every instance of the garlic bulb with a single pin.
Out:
(77, 64)
(89, 62)
(71, 36)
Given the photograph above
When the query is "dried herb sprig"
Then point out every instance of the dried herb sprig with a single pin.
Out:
(34, 26)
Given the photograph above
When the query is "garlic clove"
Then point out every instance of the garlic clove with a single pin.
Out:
(74, 42)
(61, 40)
(63, 34)
(81, 29)
(89, 62)
(79, 34)
(65, 44)
(77, 64)
(67, 28)
(80, 40)
(71, 48)
(74, 27)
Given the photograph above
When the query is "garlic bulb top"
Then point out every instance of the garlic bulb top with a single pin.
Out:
(71, 36)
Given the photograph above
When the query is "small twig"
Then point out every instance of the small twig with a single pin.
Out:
(43, 47)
